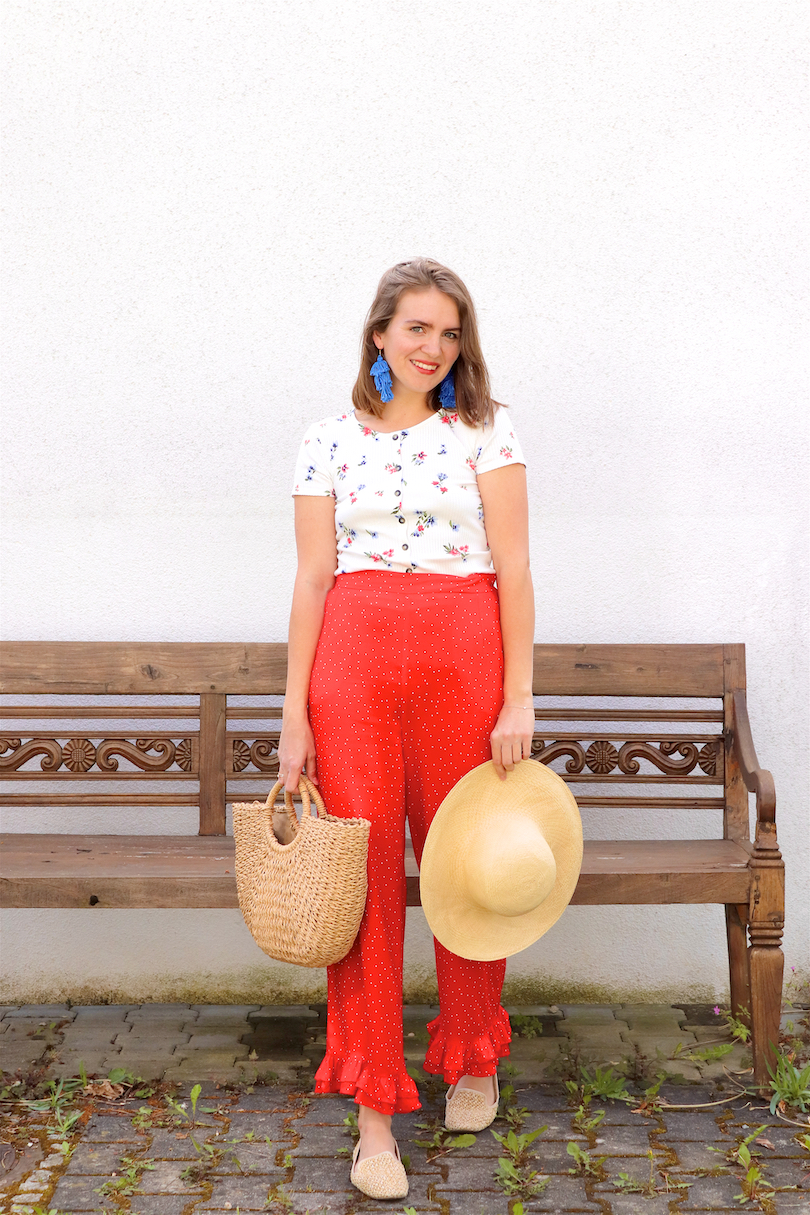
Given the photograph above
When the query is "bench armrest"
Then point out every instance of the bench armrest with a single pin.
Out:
(757, 780)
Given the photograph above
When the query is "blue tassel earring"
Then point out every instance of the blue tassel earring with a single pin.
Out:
(447, 391)
(382, 378)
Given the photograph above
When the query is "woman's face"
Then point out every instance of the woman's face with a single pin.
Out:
(422, 340)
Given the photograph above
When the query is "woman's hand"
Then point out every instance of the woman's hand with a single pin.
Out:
(512, 738)
(296, 752)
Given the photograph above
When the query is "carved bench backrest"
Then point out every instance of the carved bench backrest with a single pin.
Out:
(632, 728)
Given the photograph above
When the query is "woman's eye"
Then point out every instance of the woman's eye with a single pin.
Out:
(452, 335)
(416, 329)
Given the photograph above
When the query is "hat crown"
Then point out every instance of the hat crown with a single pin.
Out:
(510, 867)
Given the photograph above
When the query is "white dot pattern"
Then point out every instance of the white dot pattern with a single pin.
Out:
(406, 688)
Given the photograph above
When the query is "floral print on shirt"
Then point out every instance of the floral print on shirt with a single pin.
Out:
(414, 493)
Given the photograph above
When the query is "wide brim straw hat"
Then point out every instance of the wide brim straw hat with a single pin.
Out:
(501, 860)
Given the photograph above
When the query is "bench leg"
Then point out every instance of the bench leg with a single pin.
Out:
(740, 982)
(767, 965)
(765, 958)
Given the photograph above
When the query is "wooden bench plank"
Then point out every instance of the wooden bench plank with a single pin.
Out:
(198, 871)
(140, 668)
(186, 668)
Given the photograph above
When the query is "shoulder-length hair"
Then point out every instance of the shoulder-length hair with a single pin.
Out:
(473, 396)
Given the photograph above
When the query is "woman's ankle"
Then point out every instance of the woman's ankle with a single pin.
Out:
(375, 1132)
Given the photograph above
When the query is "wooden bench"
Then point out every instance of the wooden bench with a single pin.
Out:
(196, 725)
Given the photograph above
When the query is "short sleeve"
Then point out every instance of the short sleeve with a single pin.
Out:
(312, 477)
(498, 445)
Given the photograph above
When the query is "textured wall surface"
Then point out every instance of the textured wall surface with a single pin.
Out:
(200, 200)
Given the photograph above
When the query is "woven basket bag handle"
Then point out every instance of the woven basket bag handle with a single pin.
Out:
(309, 794)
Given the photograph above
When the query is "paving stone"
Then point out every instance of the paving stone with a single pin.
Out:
(692, 1155)
(624, 1139)
(247, 1193)
(262, 1124)
(158, 1204)
(141, 1069)
(165, 1179)
(156, 1012)
(591, 1014)
(640, 1204)
(699, 1125)
(783, 1139)
(197, 1043)
(101, 1014)
(40, 1012)
(224, 1013)
(791, 1202)
(561, 1194)
(712, 1194)
(283, 1010)
(159, 1037)
(77, 1194)
(468, 1173)
(19, 1056)
(323, 1173)
(322, 1141)
(332, 1113)
(311, 1203)
(71, 1065)
(653, 1014)
(111, 1129)
(272, 1072)
(165, 1145)
(786, 1172)
(636, 1167)
(250, 1157)
(546, 1097)
(98, 1158)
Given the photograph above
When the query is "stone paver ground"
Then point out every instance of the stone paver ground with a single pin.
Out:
(263, 1142)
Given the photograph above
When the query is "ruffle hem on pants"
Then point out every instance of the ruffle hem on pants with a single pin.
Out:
(451, 1058)
(353, 1077)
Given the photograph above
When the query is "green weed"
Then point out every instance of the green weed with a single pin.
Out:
(125, 1185)
(753, 1185)
(584, 1162)
(526, 1027)
(706, 1054)
(585, 1124)
(605, 1084)
(441, 1141)
(513, 1172)
(789, 1084)
(631, 1186)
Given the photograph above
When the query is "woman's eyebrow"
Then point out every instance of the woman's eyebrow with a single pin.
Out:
(428, 325)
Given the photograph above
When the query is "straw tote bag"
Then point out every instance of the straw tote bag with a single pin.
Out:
(302, 886)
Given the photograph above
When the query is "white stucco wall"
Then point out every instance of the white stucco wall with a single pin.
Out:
(200, 200)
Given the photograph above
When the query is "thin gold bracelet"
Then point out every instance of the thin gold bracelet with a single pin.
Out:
(518, 706)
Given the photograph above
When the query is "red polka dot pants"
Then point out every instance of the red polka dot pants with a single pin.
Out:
(406, 687)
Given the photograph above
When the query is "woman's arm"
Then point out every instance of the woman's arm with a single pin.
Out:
(317, 559)
(506, 518)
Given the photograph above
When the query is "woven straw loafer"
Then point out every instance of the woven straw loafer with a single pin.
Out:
(468, 1110)
(381, 1176)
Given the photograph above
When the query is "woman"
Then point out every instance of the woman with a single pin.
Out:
(407, 668)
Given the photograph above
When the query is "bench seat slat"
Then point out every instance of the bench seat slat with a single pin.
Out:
(198, 871)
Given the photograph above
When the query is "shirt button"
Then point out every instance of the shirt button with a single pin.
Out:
(409, 571)
(404, 546)
(394, 437)
(397, 492)
(401, 518)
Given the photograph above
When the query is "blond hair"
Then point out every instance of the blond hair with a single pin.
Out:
(473, 396)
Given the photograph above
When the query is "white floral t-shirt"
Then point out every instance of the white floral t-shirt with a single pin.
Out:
(409, 500)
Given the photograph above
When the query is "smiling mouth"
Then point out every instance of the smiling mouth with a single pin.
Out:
(426, 368)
